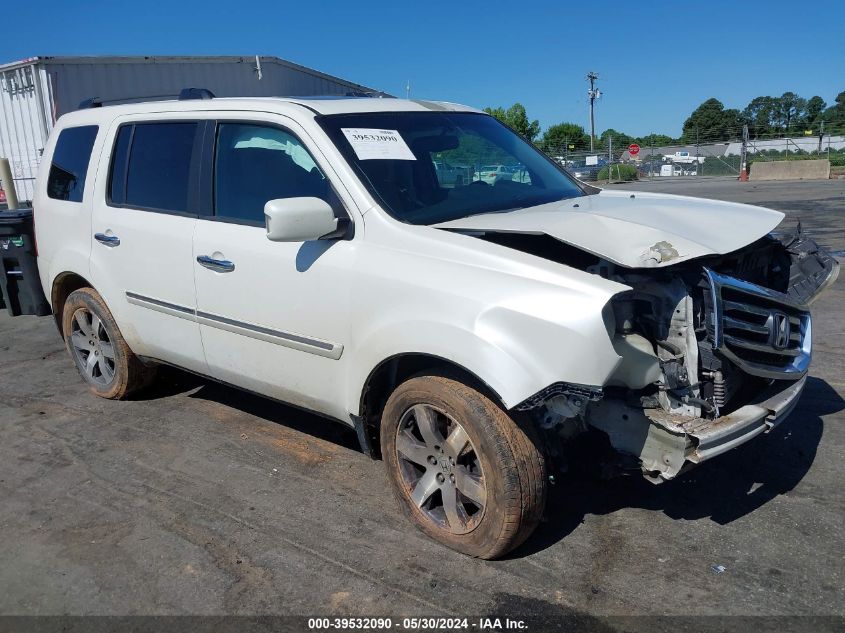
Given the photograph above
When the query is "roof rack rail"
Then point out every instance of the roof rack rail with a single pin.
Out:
(184, 95)
(93, 102)
(187, 94)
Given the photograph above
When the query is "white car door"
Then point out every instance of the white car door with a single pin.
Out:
(271, 314)
(143, 221)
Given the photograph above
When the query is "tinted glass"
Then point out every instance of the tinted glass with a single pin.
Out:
(493, 169)
(70, 163)
(254, 164)
(159, 166)
(117, 180)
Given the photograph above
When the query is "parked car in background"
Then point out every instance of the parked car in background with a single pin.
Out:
(491, 174)
(305, 250)
(450, 175)
(582, 171)
(521, 174)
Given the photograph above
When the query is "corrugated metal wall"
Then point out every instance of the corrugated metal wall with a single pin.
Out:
(163, 77)
(24, 123)
(34, 94)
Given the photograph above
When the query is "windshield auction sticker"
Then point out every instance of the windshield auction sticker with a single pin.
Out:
(370, 144)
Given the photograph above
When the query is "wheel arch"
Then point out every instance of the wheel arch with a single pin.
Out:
(63, 284)
(393, 371)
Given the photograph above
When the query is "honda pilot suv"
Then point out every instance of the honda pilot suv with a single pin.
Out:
(305, 250)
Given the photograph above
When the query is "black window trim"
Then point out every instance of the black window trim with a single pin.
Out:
(81, 200)
(206, 177)
(193, 169)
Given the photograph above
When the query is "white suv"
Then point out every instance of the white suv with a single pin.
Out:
(305, 250)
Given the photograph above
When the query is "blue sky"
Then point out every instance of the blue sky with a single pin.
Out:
(656, 60)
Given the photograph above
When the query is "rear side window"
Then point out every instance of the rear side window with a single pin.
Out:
(151, 166)
(70, 163)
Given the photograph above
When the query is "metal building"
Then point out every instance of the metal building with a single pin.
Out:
(34, 92)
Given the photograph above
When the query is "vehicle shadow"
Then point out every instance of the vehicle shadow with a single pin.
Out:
(723, 490)
(172, 382)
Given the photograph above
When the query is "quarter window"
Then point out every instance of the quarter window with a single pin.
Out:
(254, 164)
(117, 182)
(70, 163)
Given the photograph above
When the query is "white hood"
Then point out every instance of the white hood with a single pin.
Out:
(634, 229)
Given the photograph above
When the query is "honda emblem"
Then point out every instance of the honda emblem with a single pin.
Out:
(780, 330)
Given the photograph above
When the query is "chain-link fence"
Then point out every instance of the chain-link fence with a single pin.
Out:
(720, 159)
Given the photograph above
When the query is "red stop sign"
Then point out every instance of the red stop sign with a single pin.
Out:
(633, 149)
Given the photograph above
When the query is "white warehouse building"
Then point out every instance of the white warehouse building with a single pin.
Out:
(34, 92)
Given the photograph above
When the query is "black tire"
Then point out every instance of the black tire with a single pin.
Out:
(98, 349)
(500, 456)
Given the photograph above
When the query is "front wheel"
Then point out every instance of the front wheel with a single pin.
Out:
(464, 472)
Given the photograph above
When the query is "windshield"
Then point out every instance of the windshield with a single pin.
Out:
(430, 167)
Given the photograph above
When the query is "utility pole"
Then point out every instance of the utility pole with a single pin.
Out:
(743, 165)
(821, 136)
(651, 158)
(593, 94)
(697, 145)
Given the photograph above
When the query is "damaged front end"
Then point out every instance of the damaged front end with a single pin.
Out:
(713, 352)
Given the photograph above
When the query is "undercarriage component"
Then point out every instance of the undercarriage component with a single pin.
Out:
(584, 392)
(661, 451)
(720, 390)
(640, 364)
(667, 444)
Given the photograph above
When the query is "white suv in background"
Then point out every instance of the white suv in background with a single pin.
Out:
(305, 250)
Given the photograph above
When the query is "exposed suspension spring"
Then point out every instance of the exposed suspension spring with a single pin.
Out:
(720, 390)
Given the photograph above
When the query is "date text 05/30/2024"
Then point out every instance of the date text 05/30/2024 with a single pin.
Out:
(418, 624)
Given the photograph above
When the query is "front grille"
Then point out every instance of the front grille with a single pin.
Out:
(763, 332)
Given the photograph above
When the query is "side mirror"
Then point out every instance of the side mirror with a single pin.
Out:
(299, 220)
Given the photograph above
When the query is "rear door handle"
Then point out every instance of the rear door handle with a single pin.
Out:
(108, 240)
(217, 265)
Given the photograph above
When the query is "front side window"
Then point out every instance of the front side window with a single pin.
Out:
(254, 164)
(151, 166)
(70, 163)
(430, 167)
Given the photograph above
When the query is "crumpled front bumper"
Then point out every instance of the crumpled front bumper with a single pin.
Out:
(667, 445)
(724, 433)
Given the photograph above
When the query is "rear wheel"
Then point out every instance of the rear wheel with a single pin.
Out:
(95, 344)
(462, 469)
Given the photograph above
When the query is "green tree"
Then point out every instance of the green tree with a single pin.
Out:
(561, 136)
(761, 116)
(655, 140)
(791, 109)
(517, 118)
(620, 139)
(711, 122)
(815, 108)
(834, 116)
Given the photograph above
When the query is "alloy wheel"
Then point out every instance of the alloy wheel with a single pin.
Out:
(92, 347)
(441, 469)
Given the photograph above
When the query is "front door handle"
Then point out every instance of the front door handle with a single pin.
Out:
(217, 265)
(108, 240)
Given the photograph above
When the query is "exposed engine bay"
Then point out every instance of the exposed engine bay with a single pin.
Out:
(714, 350)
